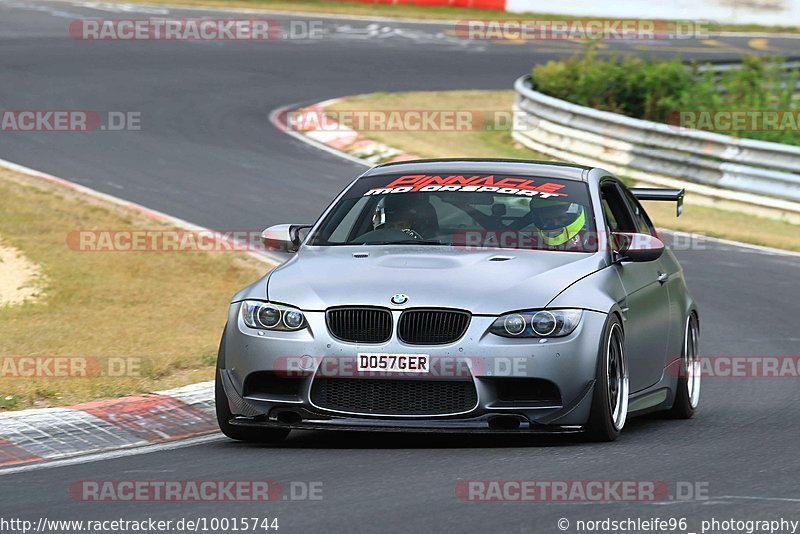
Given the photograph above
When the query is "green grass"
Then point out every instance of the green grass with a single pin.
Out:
(492, 142)
(664, 91)
(163, 310)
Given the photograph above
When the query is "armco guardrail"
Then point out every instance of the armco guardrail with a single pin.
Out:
(719, 69)
(716, 166)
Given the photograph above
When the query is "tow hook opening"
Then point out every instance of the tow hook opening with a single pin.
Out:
(289, 417)
(504, 422)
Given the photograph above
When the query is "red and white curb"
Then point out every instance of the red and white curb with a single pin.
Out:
(501, 5)
(305, 123)
(37, 435)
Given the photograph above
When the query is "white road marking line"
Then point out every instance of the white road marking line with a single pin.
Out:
(750, 498)
(42, 9)
(114, 454)
(739, 244)
(722, 500)
(122, 8)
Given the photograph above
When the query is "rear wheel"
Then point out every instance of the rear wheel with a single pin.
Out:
(687, 394)
(610, 398)
(224, 415)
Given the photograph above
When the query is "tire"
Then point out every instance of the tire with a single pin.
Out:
(610, 398)
(687, 393)
(224, 415)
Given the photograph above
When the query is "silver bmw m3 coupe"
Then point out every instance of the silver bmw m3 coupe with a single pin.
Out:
(464, 296)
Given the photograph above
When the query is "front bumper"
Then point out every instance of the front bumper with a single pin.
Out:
(569, 363)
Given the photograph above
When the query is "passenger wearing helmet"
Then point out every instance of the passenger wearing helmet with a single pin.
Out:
(558, 222)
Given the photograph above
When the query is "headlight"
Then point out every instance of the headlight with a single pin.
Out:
(537, 323)
(293, 319)
(514, 324)
(269, 316)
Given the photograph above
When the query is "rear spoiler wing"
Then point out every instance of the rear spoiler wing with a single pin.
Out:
(669, 195)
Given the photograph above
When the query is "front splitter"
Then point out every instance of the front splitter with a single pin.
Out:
(435, 427)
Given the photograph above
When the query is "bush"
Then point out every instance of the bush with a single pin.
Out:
(657, 91)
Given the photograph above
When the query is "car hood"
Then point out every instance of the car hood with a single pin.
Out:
(483, 282)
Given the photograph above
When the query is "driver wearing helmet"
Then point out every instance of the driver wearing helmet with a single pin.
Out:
(400, 214)
(558, 222)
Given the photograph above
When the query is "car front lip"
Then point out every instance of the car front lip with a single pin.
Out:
(313, 421)
(569, 362)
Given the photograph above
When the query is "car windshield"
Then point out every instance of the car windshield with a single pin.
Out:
(463, 210)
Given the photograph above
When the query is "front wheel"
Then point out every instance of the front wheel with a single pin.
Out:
(687, 394)
(610, 398)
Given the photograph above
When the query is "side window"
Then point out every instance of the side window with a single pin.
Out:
(613, 225)
(617, 213)
(642, 220)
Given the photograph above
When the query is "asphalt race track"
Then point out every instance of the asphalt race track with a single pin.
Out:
(208, 154)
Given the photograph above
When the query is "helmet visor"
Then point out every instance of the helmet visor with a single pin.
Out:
(558, 216)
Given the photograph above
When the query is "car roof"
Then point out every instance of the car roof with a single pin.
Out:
(543, 169)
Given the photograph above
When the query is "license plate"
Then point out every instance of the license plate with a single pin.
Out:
(394, 363)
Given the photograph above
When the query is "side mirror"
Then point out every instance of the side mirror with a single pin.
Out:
(284, 237)
(636, 247)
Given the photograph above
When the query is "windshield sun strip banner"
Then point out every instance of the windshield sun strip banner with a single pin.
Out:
(508, 185)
